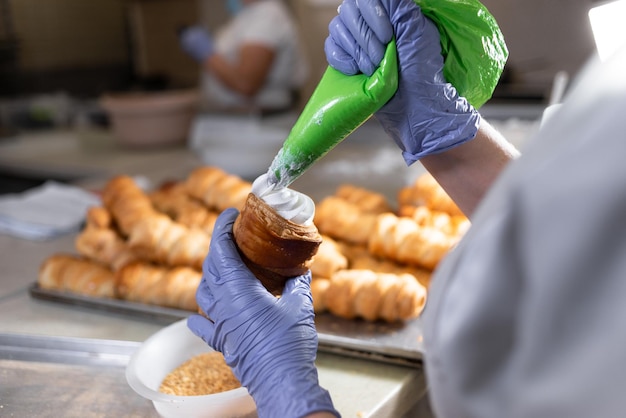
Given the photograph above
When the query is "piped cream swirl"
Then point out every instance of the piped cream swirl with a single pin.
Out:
(290, 204)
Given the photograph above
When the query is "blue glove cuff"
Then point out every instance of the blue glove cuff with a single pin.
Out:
(296, 401)
(437, 142)
(450, 122)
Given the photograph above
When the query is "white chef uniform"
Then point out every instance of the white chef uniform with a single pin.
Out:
(267, 23)
(527, 317)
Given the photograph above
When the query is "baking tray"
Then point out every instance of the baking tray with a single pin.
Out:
(49, 376)
(397, 343)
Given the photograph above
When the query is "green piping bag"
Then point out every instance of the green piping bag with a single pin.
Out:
(339, 105)
(474, 57)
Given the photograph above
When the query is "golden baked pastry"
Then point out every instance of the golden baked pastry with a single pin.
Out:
(217, 189)
(174, 201)
(366, 200)
(99, 242)
(328, 258)
(404, 240)
(67, 272)
(274, 248)
(126, 203)
(342, 220)
(157, 285)
(160, 239)
(425, 191)
(455, 225)
(370, 295)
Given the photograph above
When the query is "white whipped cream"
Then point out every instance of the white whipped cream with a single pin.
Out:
(290, 204)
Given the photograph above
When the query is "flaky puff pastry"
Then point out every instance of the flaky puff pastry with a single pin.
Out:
(65, 272)
(159, 239)
(152, 235)
(158, 285)
(126, 202)
(425, 191)
(98, 241)
(173, 200)
(342, 220)
(217, 189)
(272, 247)
(367, 200)
(319, 286)
(367, 261)
(405, 241)
(360, 258)
(455, 225)
(328, 258)
(370, 295)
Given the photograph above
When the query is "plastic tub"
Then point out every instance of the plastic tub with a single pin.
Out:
(163, 352)
(141, 120)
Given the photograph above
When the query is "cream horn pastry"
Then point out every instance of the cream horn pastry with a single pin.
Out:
(275, 233)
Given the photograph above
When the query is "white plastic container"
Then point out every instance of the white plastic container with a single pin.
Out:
(244, 145)
(155, 119)
(163, 352)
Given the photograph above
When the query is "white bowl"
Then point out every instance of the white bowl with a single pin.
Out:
(164, 351)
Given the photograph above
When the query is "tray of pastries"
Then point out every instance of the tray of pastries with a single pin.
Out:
(140, 253)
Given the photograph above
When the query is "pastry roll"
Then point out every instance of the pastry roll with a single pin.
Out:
(425, 191)
(98, 217)
(157, 285)
(126, 202)
(353, 251)
(104, 246)
(403, 240)
(75, 274)
(367, 261)
(343, 220)
(367, 200)
(274, 248)
(371, 295)
(99, 242)
(455, 225)
(217, 189)
(173, 200)
(328, 258)
(158, 238)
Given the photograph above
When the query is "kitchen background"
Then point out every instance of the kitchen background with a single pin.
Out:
(84, 48)
(57, 57)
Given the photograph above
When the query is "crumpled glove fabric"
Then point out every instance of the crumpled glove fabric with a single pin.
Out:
(197, 42)
(426, 115)
(269, 342)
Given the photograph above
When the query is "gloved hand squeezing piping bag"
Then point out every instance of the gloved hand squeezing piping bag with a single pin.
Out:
(338, 106)
(421, 67)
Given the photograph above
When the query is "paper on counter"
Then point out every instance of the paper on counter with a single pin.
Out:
(45, 212)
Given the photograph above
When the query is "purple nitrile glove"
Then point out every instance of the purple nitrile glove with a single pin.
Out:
(269, 342)
(196, 42)
(426, 115)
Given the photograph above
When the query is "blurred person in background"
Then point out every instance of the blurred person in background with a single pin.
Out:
(255, 62)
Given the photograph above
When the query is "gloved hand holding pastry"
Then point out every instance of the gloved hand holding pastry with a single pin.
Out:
(275, 233)
(270, 342)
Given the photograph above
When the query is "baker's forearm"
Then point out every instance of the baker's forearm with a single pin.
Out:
(248, 74)
(466, 172)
